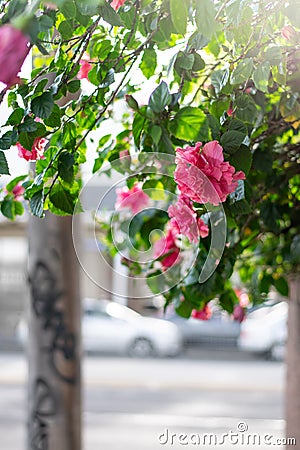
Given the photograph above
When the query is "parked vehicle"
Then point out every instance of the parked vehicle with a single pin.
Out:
(265, 331)
(111, 327)
(220, 329)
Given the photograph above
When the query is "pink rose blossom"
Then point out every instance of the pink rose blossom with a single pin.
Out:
(18, 191)
(288, 32)
(116, 4)
(203, 175)
(203, 228)
(167, 245)
(134, 198)
(185, 219)
(85, 67)
(124, 154)
(204, 314)
(36, 152)
(239, 313)
(230, 111)
(14, 47)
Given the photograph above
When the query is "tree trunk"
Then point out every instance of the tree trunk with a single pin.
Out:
(293, 366)
(54, 417)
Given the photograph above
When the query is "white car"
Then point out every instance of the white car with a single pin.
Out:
(113, 328)
(265, 331)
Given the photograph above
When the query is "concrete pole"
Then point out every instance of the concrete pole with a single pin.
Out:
(293, 366)
(54, 414)
(119, 281)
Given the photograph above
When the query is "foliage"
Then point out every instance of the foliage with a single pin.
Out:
(224, 70)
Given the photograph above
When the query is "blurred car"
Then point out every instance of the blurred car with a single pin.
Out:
(220, 329)
(114, 328)
(264, 331)
(109, 327)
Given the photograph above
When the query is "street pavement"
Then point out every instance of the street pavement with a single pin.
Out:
(154, 404)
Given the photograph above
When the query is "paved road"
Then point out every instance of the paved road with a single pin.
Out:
(131, 403)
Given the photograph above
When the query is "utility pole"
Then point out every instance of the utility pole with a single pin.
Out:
(54, 350)
(293, 365)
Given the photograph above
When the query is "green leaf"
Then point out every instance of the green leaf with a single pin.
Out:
(26, 140)
(28, 125)
(238, 125)
(261, 76)
(16, 116)
(54, 120)
(184, 61)
(160, 98)
(66, 166)
(292, 11)
(4, 170)
(110, 15)
(273, 55)
(149, 62)
(44, 23)
(156, 133)
(42, 105)
(37, 203)
(8, 139)
(179, 14)
(197, 41)
(227, 300)
(242, 159)
(219, 79)
(8, 208)
(242, 72)
(192, 277)
(265, 283)
(68, 8)
(138, 127)
(184, 309)
(165, 144)
(281, 285)
(88, 7)
(19, 208)
(199, 63)
(65, 29)
(156, 282)
(14, 182)
(187, 123)
(246, 110)
(63, 199)
(205, 17)
(231, 141)
(73, 86)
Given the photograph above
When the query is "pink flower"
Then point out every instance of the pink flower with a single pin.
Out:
(116, 4)
(167, 245)
(239, 313)
(124, 154)
(134, 198)
(18, 191)
(203, 175)
(204, 314)
(36, 152)
(203, 228)
(14, 47)
(230, 111)
(85, 67)
(50, 5)
(185, 219)
(288, 32)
